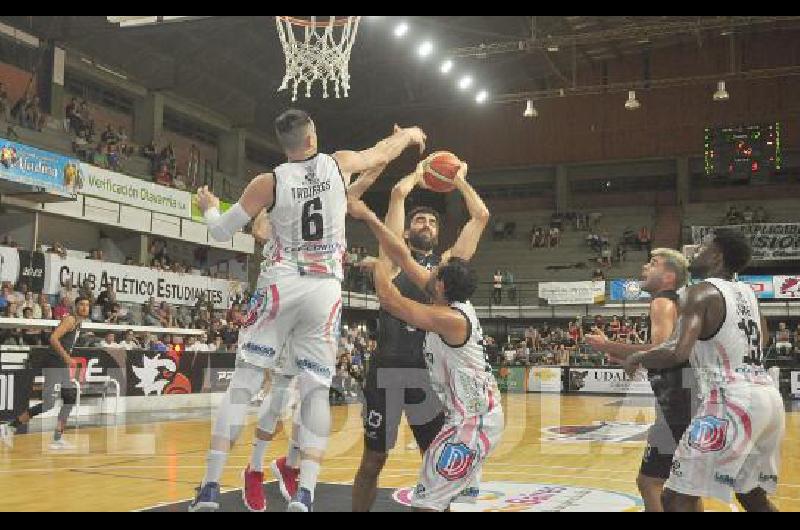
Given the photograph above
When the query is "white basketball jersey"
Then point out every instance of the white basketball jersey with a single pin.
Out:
(308, 220)
(733, 357)
(461, 374)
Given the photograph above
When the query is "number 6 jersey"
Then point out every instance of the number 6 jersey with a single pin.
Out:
(308, 220)
(732, 358)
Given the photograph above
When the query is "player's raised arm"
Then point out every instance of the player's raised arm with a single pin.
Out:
(470, 237)
(364, 182)
(451, 325)
(391, 245)
(258, 195)
(383, 153)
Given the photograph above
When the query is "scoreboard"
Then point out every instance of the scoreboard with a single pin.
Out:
(742, 153)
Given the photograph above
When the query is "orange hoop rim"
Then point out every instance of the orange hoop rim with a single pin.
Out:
(305, 23)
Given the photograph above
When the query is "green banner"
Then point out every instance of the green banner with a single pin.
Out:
(511, 379)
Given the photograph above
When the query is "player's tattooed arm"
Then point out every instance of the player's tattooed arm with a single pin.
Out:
(693, 321)
(450, 325)
(470, 237)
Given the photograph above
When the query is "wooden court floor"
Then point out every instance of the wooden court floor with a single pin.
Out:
(138, 466)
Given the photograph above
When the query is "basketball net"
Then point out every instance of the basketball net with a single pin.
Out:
(317, 51)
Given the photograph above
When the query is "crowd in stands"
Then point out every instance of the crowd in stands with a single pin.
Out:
(746, 216)
(356, 349)
(113, 147)
(558, 345)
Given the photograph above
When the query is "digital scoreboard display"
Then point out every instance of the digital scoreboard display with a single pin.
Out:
(742, 153)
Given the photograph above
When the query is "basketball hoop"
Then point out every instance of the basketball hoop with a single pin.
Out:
(317, 51)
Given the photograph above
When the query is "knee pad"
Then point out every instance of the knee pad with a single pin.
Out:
(315, 415)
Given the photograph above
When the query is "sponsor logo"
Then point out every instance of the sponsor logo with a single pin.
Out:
(313, 367)
(577, 380)
(676, 468)
(455, 462)
(159, 376)
(256, 306)
(726, 480)
(767, 478)
(224, 376)
(601, 431)
(514, 497)
(375, 419)
(790, 288)
(259, 349)
(708, 434)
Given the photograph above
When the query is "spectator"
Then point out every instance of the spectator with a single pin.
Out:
(159, 345)
(130, 343)
(115, 315)
(110, 343)
(218, 345)
(235, 315)
(598, 276)
(86, 291)
(498, 288)
(614, 328)
(124, 147)
(67, 295)
(748, 214)
(109, 136)
(733, 217)
(620, 254)
(183, 317)
(62, 309)
(107, 299)
(149, 318)
(129, 262)
(761, 215)
(165, 315)
(555, 237)
(30, 303)
(230, 334)
(783, 339)
(797, 337)
(162, 176)
(30, 336)
(203, 320)
(605, 256)
(46, 308)
(6, 296)
(179, 182)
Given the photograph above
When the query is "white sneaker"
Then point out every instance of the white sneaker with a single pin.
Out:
(7, 435)
(61, 445)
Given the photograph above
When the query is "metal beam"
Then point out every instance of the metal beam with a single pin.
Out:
(648, 31)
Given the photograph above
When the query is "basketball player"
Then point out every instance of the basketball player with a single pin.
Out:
(286, 470)
(398, 380)
(296, 310)
(55, 366)
(733, 443)
(459, 369)
(662, 277)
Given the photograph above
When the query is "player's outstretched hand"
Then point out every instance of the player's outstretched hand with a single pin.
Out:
(597, 341)
(206, 200)
(631, 366)
(418, 137)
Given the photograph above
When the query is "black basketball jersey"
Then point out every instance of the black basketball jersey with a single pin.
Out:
(673, 387)
(400, 345)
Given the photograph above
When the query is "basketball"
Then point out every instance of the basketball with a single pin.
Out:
(440, 171)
